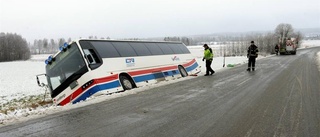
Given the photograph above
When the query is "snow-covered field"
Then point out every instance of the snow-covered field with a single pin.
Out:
(22, 99)
(309, 43)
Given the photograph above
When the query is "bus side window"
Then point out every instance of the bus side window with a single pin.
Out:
(89, 56)
(154, 49)
(92, 58)
(124, 49)
(175, 48)
(183, 48)
(140, 49)
(165, 48)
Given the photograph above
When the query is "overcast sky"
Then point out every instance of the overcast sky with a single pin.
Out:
(38, 19)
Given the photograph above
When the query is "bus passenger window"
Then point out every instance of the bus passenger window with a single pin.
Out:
(105, 49)
(140, 49)
(165, 48)
(91, 56)
(124, 49)
(175, 48)
(154, 49)
(183, 48)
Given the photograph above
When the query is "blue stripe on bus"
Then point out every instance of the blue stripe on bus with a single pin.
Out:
(152, 76)
(165, 73)
(143, 78)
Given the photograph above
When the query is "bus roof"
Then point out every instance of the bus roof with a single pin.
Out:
(108, 40)
(146, 41)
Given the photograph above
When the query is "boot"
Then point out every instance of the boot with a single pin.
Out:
(212, 72)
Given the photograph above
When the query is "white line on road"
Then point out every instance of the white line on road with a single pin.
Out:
(244, 82)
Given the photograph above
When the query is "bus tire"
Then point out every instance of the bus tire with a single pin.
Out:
(126, 83)
(182, 71)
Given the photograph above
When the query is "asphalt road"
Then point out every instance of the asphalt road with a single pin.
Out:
(281, 98)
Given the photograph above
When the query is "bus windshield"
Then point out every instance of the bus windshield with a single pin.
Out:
(66, 67)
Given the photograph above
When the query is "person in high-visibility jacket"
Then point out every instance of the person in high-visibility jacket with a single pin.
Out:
(208, 56)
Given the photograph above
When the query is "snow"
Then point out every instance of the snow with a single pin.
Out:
(310, 43)
(318, 60)
(22, 99)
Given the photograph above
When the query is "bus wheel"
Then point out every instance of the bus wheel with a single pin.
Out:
(126, 83)
(183, 71)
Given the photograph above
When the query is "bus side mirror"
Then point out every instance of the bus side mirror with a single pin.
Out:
(38, 81)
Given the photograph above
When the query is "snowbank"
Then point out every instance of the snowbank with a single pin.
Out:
(24, 114)
(318, 59)
(309, 43)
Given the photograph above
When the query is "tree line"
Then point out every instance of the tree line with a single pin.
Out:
(187, 41)
(46, 46)
(266, 42)
(13, 47)
(237, 44)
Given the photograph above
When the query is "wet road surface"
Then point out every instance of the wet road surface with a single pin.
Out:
(280, 98)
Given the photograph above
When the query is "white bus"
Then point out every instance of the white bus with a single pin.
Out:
(84, 67)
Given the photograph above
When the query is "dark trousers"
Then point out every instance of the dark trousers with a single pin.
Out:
(252, 62)
(208, 67)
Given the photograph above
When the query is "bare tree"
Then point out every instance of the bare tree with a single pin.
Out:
(299, 36)
(40, 46)
(53, 45)
(45, 45)
(61, 41)
(283, 31)
(2, 44)
(271, 41)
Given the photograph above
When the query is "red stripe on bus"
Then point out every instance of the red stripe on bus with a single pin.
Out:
(190, 63)
(71, 97)
(141, 72)
(107, 79)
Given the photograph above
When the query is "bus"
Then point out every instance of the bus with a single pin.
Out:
(85, 67)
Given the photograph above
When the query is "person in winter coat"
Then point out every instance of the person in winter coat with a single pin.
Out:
(208, 56)
(276, 49)
(252, 55)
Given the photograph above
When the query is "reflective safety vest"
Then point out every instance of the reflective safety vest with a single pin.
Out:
(253, 51)
(208, 54)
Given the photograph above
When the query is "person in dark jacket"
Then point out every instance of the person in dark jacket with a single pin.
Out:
(208, 56)
(276, 49)
(252, 55)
